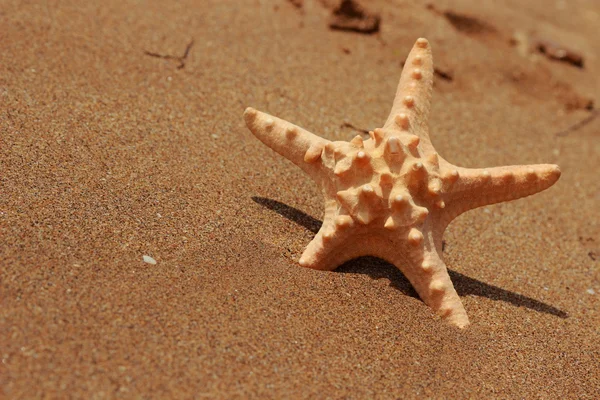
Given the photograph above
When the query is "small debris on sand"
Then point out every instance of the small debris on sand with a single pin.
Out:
(591, 291)
(464, 23)
(149, 260)
(351, 16)
(577, 102)
(297, 3)
(521, 41)
(467, 24)
(556, 51)
(529, 43)
(543, 80)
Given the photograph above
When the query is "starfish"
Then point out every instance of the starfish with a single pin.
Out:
(392, 195)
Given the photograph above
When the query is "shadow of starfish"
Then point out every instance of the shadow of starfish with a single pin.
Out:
(377, 268)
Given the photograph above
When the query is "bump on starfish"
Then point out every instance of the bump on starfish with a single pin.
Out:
(392, 195)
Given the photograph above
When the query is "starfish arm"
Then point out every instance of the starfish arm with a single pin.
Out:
(412, 103)
(328, 249)
(324, 253)
(294, 143)
(427, 273)
(479, 187)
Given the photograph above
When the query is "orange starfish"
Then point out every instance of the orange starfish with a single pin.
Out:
(392, 196)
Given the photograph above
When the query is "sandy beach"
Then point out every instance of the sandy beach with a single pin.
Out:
(122, 136)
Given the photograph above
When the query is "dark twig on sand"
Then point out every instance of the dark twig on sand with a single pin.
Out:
(181, 59)
(579, 124)
(445, 74)
(349, 125)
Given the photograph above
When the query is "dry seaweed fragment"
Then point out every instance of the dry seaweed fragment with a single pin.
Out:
(351, 16)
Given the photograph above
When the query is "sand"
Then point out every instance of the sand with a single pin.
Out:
(109, 154)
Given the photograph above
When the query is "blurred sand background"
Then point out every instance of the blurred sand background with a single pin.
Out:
(109, 153)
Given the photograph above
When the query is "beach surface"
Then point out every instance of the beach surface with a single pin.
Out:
(149, 243)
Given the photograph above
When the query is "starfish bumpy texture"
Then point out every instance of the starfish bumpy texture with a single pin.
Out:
(392, 196)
